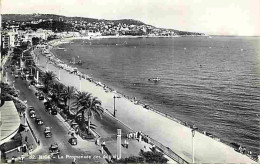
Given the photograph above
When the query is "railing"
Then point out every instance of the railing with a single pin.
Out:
(168, 152)
(160, 146)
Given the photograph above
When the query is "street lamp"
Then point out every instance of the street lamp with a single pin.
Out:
(193, 129)
(115, 104)
(46, 66)
(59, 74)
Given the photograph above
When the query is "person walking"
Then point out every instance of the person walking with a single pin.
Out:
(26, 138)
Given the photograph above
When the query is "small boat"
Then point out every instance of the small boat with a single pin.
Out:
(154, 79)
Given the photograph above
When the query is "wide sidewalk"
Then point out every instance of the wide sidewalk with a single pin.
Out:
(170, 133)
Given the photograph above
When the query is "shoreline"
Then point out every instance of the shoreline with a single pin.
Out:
(63, 40)
(131, 99)
(103, 86)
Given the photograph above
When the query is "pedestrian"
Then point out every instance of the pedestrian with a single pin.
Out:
(25, 139)
(22, 158)
(102, 149)
(13, 160)
(74, 161)
(18, 148)
(38, 141)
(103, 143)
(127, 144)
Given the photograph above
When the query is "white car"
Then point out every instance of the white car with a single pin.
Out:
(32, 115)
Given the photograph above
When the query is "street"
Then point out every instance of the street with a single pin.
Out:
(59, 132)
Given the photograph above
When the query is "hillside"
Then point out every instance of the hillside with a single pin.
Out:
(35, 17)
(63, 23)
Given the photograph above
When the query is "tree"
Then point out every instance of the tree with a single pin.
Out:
(67, 95)
(57, 90)
(35, 40)
(153, 157)
(94, 108)
(48, 79)
(86, 104)
(81, 105)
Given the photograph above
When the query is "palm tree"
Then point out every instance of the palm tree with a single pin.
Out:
(57, 90)
(86, 104)
(48, 79)
(94, 108)
(81, 104)
(67, 95)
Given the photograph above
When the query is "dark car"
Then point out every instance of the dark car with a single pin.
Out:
(73, 141)
(54, 112)
(54, 150)
(41, 97)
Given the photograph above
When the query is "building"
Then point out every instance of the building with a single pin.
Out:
(5, 40)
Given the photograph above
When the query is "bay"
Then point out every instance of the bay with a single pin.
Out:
(211, 83)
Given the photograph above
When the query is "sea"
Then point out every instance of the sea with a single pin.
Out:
(212, 83)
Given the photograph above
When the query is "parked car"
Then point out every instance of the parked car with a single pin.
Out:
(32, 114)
(16, 75)
(38, 121)
(54, 149)
(47, 132)
(73, 141)
(54, 111)
(41, 97)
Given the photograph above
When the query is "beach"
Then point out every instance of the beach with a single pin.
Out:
(168, 132)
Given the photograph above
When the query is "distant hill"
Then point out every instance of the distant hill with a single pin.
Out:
(53, 22)
(34, 17)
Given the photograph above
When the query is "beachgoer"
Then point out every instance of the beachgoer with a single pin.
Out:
(102, 149)
(13, 160)
(22, 158)
(18, 148)
(103, 143)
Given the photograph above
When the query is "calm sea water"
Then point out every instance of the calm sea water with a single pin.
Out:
(212, 83)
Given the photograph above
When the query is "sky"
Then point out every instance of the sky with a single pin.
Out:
(213, 17)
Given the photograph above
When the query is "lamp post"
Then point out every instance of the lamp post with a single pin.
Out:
(59, 74)
(115, 105)
(193, 129)
(80, 83)
(46, 65)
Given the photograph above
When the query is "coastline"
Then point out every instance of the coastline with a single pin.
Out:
(63, 40)
(100, 87)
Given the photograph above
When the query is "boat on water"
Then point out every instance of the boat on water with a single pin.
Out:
(154, 79)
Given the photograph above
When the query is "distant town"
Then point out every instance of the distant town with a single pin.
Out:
(18, 28)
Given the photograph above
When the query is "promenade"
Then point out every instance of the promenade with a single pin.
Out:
(170, 133)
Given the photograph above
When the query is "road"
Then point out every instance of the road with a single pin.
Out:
(59, 132)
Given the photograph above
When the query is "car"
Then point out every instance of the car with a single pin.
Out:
(73, 141)
(41, 97)
(31, 107)
(38, 121)
(47, 132)
(31, 111)
(54, 149)
(32, 115)
(16, 75)
(47, 103)
(39, 86)
(54, 111)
